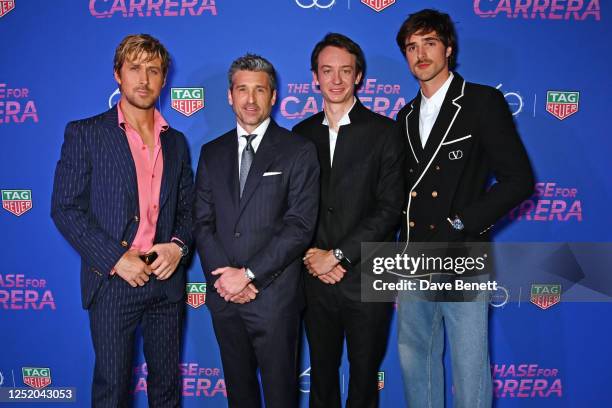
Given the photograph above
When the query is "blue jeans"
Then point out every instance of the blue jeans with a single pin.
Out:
(421, 346)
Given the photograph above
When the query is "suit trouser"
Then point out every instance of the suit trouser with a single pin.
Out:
(258, 335)
(113, 316)
(330, 317)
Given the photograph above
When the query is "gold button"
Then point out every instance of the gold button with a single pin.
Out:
(437, 167)
(124, 244)
(432, 227)
(411, 223)
(434, 194)
(414, 194)
(136, 218)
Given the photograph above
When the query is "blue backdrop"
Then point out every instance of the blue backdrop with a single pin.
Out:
(57, 66)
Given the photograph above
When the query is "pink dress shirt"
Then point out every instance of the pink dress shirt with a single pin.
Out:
(149, 169)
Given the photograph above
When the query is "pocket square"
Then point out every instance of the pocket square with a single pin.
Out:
(272, 173)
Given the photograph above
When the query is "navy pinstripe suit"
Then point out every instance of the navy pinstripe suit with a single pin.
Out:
(95, 207)
(267, 230)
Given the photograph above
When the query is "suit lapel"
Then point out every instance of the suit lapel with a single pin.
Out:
(412, 126)
(117, 144)
(348, 143)
(171, 161)
(266, 152)
(444, 120)
(230, 160)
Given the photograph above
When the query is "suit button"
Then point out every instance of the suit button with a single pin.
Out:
(411, 171)
(438, 168)
(434, 194)
(411, 223)
(330, 209)
(136, 219)
(413, 194)
(236, 235)
(124, 244)
(432, 227)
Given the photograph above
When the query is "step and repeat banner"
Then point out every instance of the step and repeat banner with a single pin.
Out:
(548, 57)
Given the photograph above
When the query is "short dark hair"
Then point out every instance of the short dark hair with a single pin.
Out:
(254, 63)
(426, 21)
(339, 41)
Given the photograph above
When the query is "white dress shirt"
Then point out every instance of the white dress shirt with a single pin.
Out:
(430, 107)
(259, 131)
(333, 135)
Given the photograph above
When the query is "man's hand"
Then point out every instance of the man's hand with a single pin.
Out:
(168, 258)
(132, 270)
(231, 281)
(319, 261)
(334, 276)
(248, 293)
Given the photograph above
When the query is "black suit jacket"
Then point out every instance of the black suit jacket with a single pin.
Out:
(95, 198)
(362, 194)
(270, 227)
(473, 138)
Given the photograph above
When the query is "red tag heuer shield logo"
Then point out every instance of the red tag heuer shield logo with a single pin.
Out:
(545, 296)
(196, 294)
(562, 104)
(17, 201)
(36, 377)
(381, 380)
(378, 5)
(6, 6)
(187, 100)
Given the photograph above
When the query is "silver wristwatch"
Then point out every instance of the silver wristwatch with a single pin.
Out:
(456, 223)
(249, 274)
(338, 254)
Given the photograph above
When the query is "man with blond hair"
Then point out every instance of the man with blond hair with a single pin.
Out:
(122, 198)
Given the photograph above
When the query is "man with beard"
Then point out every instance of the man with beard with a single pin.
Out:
(459, 135)
(122, 197)
(257, 192)
(362, 157)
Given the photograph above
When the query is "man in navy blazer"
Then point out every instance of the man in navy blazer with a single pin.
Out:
(122, 194)
(257, 194)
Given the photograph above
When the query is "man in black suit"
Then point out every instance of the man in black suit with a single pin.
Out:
(459, 135)
(257, 194)
(124, 188)
(362, 158)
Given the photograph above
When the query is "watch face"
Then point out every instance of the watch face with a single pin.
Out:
(338, 254)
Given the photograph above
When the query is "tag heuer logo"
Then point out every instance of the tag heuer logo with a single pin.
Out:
(17, 201)
(6, 6)
(196, 294)
(545, 296)
(378, 5)
(562, 104)
(187, 100)
(381, 380)
(36, 377)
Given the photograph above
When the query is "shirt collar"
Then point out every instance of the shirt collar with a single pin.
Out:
(159, 123)
(259, 130)
(345, 119)
(438, 98)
